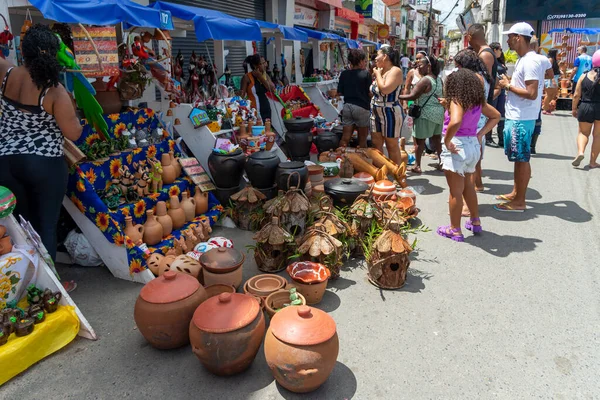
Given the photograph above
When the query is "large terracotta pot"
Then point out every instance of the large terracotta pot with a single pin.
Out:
(153, 231)
(226, 332)
(163, 218)
(226, 169)
(176, 212)
(201, 201)
(222, 265)
(165, 307)
(169, 174)
(189, 206)
(261, 168)
(301, 348)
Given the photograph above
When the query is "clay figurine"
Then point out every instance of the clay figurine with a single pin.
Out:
(51, 300)
(156, 175)
(24, 327)
(37, 313)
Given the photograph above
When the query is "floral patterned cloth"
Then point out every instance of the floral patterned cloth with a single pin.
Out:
(85, 179)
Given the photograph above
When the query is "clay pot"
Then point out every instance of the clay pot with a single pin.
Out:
(261, 168)
(189, 206)
(175, 163)
(407, 193)
(24, 327)
(186, 265)
(226, 169)
(135, 232)
(163, 218)
(165, 307)
(165, 264)
(264, 284)
(344, 191)
(217, 289)
(365, 178)
(384, 190)
(169, 174)
(291, 168)
(153, 231)
(301, 348)
(276, 300)
(176, 213)
(310, 279)
(222, 265)
(5, 245)
(226, 332)
(201, 199)
(153, 262)
(327, 140)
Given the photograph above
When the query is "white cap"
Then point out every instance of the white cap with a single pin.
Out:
(520, 28)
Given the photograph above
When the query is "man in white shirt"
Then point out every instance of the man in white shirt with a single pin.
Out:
(549, 74)
(404, 61)
(523, 102)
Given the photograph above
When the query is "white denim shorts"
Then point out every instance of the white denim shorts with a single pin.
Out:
(463, 162)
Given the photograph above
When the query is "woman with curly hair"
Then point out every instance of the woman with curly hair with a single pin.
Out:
(461, 149)
(36, 112)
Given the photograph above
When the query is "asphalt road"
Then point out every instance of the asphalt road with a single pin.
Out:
(512, 314)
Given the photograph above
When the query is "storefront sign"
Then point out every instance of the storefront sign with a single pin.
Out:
(373, 9)
(305, 16)
(343, 24)
(421, 42)
(105, 38)
(518, 10)
(411, 43)
(349, 15)
(383, 32)
(363, 30)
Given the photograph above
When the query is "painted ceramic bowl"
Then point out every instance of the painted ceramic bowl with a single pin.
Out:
(308, 272)
(330, 169)
(384, 190)
(220, 241)
(204, 247)
(365, 177)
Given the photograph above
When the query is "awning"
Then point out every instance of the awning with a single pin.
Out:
(103, 12)
(288, 32)
(349, 15)
(366, 42)
(318, 35)
(211, 24)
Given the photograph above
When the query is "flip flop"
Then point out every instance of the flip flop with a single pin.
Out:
(590, 166)
(481, 191)
(577, 160)
(69, 286)
(503, 197)
(505, 207)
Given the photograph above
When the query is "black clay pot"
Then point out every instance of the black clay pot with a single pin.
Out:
(326, 141)
(344, 191)
(299, 138)
(339, 131)
(226, 169)
(223, 194)
(261, 168)
(270, 192)
(285, 169)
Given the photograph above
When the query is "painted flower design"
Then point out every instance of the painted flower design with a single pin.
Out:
(119, 128)
(139, 209)
(129, 243)
(149, 112)
(135, 267)
(90, 176)
(114, 117)
(102, 221)
(78, 204)
(118, 239)
(151, 151)
(115, 165)
(125, 212)
(92, 138)
(130, 158)
(141, 120)
(80, 185)
(174, 191)
(5, 286)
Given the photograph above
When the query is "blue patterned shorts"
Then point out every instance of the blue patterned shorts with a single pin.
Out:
(517, 139)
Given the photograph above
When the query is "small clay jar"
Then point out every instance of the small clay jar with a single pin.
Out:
(24, 327)
(176, 213)
(201, 201)
(165, 307)
(36, 312)
(135, 232)
(189, 206)
(226, 332)
(169, 174)
(163, 218)
(153, 231)
(222, 265)
(50, 300)
(270, 135)
(175, 163)
(301, 348)
(5, 245)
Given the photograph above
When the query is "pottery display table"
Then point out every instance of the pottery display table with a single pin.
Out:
(103, 227)
(316, 92)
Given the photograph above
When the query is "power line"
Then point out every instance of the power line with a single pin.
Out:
(450, 13)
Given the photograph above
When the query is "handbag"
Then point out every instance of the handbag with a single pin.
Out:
(414, 110)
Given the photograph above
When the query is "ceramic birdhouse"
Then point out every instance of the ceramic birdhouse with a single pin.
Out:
(273, 245)
(247, 203)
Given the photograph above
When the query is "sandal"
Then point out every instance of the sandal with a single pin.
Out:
(415, 170)
(473, 228)
(454, 234)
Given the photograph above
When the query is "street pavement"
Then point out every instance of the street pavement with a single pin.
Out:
(512, 314)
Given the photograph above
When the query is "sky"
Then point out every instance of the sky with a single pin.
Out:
(445, 6)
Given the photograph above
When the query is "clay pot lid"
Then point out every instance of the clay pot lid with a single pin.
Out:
(346, 185)
(265, 284)
(226, 312)
(291, 165)
(170, 287)
(222, 260)
(308, 272)
(263, 155)
(302, 326)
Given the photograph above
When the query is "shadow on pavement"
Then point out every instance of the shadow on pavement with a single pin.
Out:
(340, 283)
(549, 157)
(330, 302)
(497, 175)
(496, 189)
(341, 384)
(566, 210)
(427, 187)
(502, 245)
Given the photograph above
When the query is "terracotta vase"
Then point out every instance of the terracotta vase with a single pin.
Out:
(135, 232)
(5, 245)
(310, 279)
(163, 218)
(153, 231)
(301, 348)
(226, 332)
(169, 174)
(189, 206)
(165, 307)
(176, 213)
(201, 201)
(175, 163)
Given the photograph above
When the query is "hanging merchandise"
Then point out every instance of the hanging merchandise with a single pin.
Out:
(6, 40)
(28, 23)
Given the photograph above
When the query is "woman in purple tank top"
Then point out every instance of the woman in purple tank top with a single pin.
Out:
(461, 149)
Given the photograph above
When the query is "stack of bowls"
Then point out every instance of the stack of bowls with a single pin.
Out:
(315, 174)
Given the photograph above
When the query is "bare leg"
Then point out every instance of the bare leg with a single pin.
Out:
(522, 176)
(363, 133)
(456, 183)
(595, 146)
(436, 142)
(377, 139)
(346, 135)
(584, 135)
(393, 149)
(477, 177)
(419, 148)
(470, 197)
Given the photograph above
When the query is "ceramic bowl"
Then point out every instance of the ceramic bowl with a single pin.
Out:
(264, 284)
(330, 169)
(308, 272)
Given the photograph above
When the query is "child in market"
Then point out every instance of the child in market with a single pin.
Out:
(461, 149)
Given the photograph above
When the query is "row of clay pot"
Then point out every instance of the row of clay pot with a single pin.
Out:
(171, 169)
(226, 331)
(160, 226)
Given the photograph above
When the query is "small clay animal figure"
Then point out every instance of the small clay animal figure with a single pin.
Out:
(24, 327)
(156, 175)
(180, 246)
(37, 313)
(51, 300)
(190, 238)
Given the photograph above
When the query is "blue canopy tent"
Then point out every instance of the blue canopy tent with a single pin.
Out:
(103, 12)
(318, 35)
(288, 32)
(211, 24)
(370, 43)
